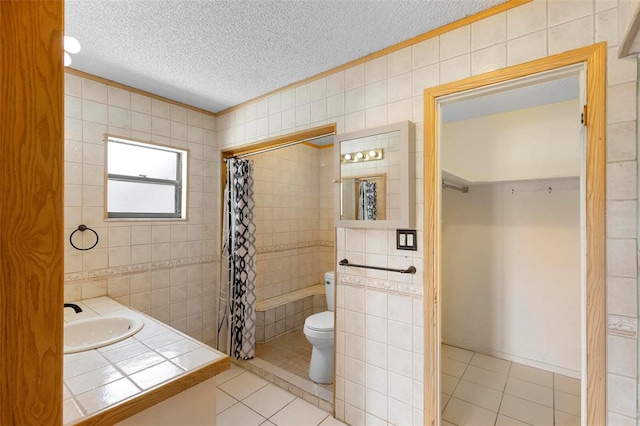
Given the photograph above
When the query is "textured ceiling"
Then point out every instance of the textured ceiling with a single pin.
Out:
(218, 53)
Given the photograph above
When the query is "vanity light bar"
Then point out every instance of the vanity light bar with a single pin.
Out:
(357, 157)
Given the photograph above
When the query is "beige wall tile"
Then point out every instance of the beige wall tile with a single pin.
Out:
(527, 48)
(425, 53)
(621, 257)
(571, 35)
(621, 181)
(489, 59)
(375, 70)
(622, 356)
(622, 218)
(568, 10)
(607, 27)
(622, 296)
(455, 69)
(621, 397)
(526, 19)
(489, 31)
(94, 91)
(455, 43)
(399, 62)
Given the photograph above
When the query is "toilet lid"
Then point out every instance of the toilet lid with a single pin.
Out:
(322, 321)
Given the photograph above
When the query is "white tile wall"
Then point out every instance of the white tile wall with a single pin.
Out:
(121, 265)
(355, 100)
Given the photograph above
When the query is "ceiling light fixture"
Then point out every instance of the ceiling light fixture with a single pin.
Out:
(71, 45)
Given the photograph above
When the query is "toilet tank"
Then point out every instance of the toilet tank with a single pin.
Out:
(329, 289)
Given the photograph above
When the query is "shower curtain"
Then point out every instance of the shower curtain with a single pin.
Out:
(237, 302)
(368, 201)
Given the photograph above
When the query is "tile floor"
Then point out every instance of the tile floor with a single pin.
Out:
(244, 399)
(482, 390)
(291, 352)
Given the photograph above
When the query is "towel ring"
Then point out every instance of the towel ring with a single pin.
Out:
(83, 228)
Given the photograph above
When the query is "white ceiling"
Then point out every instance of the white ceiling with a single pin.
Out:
(530, 96)
(215, 54)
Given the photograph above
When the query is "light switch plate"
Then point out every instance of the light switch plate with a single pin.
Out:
(406, 239)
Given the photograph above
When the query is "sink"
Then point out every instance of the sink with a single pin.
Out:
(90, 333)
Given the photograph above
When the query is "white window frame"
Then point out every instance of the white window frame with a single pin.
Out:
(180, 183)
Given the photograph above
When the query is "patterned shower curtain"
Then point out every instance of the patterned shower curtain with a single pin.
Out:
(368, 201)
(237, 302)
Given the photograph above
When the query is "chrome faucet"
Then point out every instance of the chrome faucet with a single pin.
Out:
(75, 307)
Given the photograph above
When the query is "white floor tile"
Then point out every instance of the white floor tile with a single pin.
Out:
(530, 391)
(508, 421)
(444, 399)
(462, 413)
(229, 374)
(299, 411)
(223, 401)
(456, 354)
(526, 411)
(486, 378)
(567, 403)
(490, 363)
(448, 383)
(331, 421)
(239, 415)
(478, 395)
(452, 367)
(530, 374)
(566, 384)
(268, 400)
(243, 385)
(565, 419)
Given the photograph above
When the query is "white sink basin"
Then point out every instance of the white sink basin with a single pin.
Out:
(84, 334)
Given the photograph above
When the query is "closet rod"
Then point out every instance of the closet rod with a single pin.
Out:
(463, 189)
(273, 148)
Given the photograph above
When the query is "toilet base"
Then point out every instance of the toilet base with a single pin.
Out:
(321, 365)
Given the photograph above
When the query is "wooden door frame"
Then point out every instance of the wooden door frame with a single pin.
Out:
(31, 212)
(594, 57)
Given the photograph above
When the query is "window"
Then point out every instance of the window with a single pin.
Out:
(145, 181)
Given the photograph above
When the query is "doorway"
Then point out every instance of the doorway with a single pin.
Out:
(592, 336)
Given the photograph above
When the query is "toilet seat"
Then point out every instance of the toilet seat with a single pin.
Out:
(322, 321)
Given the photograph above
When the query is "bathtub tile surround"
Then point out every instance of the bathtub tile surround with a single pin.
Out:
(281, 314)
(98, 378)
(167, 269)
(354, 101)
(294, 218)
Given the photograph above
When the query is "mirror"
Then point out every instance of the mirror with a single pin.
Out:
(374, 177)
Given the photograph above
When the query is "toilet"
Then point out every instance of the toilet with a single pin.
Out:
(318, 329)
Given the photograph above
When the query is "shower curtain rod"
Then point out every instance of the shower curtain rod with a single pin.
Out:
(463, 189)
(273, 148)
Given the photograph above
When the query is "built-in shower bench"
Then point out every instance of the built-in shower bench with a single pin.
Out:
(277, 315)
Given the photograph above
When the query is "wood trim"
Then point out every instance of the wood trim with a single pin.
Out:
(503, 7)
(31, 212)
(630, 35)
(595, 58)
(112, 83)
(280, 140)
(164, 391)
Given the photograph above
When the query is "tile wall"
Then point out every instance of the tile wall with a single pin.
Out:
(374, 325)
(167, 269)
(294, 222)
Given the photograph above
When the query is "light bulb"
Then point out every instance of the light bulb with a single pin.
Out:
(71, 45)
(359, 155)
(67, 59)
(372, 154)
(347, 157)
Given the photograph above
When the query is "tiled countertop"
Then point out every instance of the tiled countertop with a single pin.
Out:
(97, 380)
